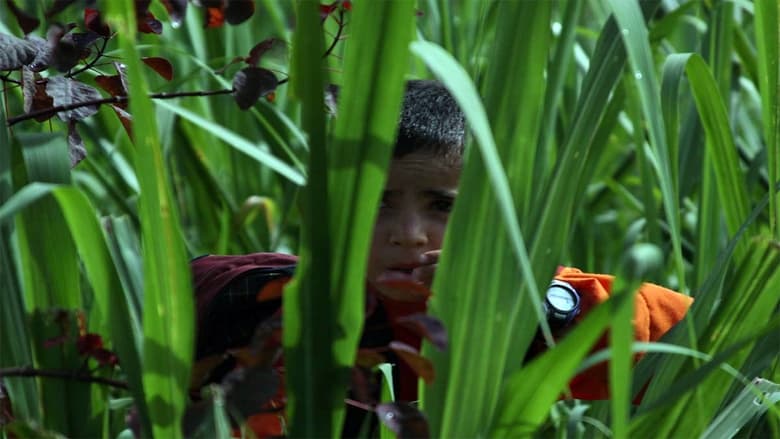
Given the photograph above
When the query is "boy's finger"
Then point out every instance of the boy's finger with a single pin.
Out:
(424, 274)
(430, 257)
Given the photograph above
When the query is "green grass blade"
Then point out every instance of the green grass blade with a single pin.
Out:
(743, 317)
(315, 407)
(14, 333)
(767, 14)
(253, 150)
(742, 409)
(525, 403)
(168, 320)
(557, 68)
(322, 325)
(722, 152)
(560, 198)
(487, 291)
(109, 296)
(50, 280)
(635, 37)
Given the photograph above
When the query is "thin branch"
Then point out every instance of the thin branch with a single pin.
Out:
(27, 371)
(340, 21)
(7, 78)
(112, 100)
(92, 63)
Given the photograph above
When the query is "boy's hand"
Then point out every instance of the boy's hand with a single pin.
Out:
(425, 272)
(413, 285)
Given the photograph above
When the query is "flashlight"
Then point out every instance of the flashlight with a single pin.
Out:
(561, 304)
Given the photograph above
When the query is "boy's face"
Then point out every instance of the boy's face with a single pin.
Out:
(409, 229)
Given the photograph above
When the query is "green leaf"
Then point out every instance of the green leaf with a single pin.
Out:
(722, 152)
(168, 321)
(634, 34)
(524, 402)
(241, 144)
(323, 312)
(767, 31)
(744, 407)
(50, 281)
(487, 292)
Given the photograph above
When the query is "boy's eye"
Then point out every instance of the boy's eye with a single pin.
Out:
(385, 202)
(443, 204)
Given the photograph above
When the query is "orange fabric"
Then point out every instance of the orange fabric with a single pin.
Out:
(272, 289)
(656, 310)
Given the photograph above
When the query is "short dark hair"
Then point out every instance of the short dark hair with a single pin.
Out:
(431, 122)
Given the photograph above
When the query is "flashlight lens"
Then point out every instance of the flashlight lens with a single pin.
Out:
(561, 299)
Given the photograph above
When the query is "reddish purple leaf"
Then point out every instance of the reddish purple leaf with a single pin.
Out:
(251, 83)
(125, 118)
(121, 70)
(94, 22)
(103, 356)
(162, 66)
(259, 50)
(177, 9)
(67, 92)
(16, 52)
(428, 327)
(57, 7)
(142, 7)
(112, 84)
(149, 24)
(6, 407)
(238, 11)
(89, 342)
(34, 93)
(362, 384)
(422, 366)
(404, 419)
(326, 10)
(214, 17)
(369, 358)
(78, 152)
(27, 22)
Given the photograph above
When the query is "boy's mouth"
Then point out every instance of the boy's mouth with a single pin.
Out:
(399, 283)
(401, 272)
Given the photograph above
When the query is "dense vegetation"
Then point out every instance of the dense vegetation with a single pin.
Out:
(637, 138)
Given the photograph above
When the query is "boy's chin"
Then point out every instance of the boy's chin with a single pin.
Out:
(402, 290)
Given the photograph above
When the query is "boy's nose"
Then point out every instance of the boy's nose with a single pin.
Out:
(409, 232)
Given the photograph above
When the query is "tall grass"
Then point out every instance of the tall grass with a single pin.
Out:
(598, 131)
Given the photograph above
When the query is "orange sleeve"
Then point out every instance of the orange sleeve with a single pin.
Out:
(656, 310)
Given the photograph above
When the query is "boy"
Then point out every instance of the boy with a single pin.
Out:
(421, 188)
